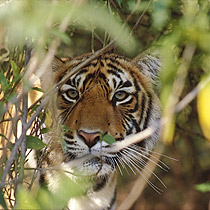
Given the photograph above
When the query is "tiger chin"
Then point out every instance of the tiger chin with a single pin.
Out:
(111, 95)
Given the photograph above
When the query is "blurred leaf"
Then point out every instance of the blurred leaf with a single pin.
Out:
(2, 135)
(15, 68)
(160, 13)
(108, 139)
(2, 201)
(33, 109)
(44, 130)
(64, 145)
(10, 145)
(38, 89)
(62, 36)
(168, 130)
(3, 82)
(34, 21)
(203, 106)
(65, 128)
(48, 120)
(26, 200)
(33, 142)
(204, 187)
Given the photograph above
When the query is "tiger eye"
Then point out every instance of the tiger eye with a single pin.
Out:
(121, 95)
(73, 94)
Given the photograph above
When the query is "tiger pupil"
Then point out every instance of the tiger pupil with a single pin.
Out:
(120, 95)
(72, 94)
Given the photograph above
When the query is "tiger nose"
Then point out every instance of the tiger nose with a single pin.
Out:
(90, 139)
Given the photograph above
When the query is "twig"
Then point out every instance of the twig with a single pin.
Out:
(177, 88)
(191, 95)
(136, 138)
(138, 21)
(23, 145)
(19, 142)
(24, 121)
(190, 132)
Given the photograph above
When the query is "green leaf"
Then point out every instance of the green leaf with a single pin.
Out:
(2, 201)
(64, 145)
(44, 130)
(65, 128)
(15, 68)
(38, 89)
(2, 135)
(108, 139)
(204, 187)
(3, 81)
(33, 142)
(33, 109)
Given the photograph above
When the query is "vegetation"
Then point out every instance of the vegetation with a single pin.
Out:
(33, 32)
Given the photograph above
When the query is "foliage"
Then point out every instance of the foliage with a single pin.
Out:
(204, 187)
(108, 139)
(41, 29)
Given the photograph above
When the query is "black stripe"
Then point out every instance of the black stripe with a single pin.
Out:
(68, 157)
(100, 183)
(70, 82)
(78, 81)
(81, 72)
(116, 62)
(71, 148)
(110, 71)
(142, 107)
(148, 112)
(66, 101)
(126, 84)
(114, 82)
(102, 76)
(127, 102)
(136, 105)
(88, 77)
(136, 125)
(69, 136)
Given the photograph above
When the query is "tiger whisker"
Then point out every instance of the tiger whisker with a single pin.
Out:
(139, 149)
(144, 156)
(153, 152)
(120, 160)
(116, 162)
(143, 163)
(122, 164)
(127, 165)
(154, 187)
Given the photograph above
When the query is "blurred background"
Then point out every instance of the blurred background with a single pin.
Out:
(179, 30)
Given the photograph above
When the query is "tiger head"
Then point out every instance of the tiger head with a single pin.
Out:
(111, 95)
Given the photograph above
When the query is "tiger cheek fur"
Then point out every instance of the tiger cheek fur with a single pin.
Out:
(111, 95)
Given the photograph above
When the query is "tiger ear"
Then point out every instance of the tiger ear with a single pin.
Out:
(48, 76)
(149, 64)
(56, 64)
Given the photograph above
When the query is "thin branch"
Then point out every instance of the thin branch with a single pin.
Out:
(191, 95)
(23, 145)
(136, 138)
(19, 142)
(178, 86)
(138, 21)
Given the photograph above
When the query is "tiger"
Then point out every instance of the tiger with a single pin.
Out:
(112, 95)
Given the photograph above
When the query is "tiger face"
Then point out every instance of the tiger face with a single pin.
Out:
(111, 95)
